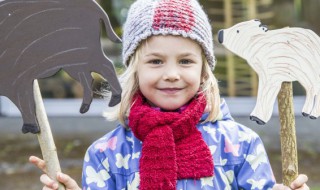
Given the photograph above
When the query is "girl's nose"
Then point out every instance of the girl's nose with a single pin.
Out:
(171, 72)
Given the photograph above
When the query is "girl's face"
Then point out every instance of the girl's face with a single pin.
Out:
(169, 71)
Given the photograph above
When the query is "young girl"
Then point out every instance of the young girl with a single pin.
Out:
(175, 132)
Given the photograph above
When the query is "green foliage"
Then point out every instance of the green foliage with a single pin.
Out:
(117, 11)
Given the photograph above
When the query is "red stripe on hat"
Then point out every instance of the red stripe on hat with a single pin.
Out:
(167, 15)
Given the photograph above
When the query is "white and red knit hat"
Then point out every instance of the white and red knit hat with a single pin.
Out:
(167, 17)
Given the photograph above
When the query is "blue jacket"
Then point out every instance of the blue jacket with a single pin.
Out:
(240, 160)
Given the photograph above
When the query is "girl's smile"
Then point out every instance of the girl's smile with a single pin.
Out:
(169, 71)
(170, 91)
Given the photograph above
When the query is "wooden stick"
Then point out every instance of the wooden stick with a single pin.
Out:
(287, 134)
(45, 138)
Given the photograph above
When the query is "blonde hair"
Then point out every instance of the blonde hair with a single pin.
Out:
(130, 85)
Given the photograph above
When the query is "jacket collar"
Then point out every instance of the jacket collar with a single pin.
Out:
(224, 113)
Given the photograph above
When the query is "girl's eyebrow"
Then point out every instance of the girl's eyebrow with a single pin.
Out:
(157, 54)
(188, 54)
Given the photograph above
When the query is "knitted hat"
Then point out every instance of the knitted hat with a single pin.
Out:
(167, 17)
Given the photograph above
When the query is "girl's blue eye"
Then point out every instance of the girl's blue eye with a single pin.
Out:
(185, 61)
(156, 61)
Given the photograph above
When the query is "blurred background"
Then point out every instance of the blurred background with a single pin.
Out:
(74, 132)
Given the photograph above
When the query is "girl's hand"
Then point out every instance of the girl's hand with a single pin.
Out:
(298, 184)
(49, 184)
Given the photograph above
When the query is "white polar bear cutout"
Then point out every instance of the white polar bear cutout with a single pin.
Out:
(288, 54)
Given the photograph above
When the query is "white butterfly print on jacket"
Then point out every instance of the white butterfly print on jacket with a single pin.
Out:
(257, 158)
(257, 184)
(96, 177)
(122, 161)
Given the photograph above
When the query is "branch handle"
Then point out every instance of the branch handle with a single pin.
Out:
(287, 134)
(45, 138)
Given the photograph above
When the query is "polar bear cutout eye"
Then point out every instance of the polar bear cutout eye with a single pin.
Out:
(264, 27)
(238, 31)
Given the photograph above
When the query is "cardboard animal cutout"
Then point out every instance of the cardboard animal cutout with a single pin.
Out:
(288, 54)
(40, 37)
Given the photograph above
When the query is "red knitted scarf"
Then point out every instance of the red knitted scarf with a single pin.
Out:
(172, 146)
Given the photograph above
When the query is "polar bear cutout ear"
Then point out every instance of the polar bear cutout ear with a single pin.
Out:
(39, 38)
(280, 55)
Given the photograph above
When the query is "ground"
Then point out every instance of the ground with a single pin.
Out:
(16, 173)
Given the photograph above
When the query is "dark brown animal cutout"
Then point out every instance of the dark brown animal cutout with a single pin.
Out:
(40, 37)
